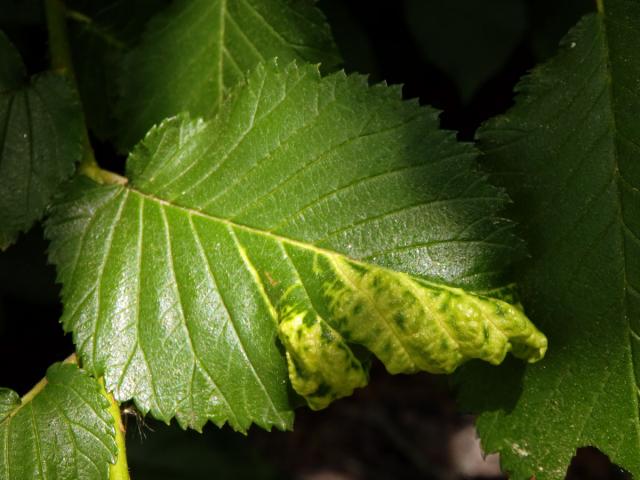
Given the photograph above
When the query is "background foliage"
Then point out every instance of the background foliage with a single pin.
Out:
(388, 42)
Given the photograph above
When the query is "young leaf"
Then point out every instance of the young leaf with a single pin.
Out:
(569, 151)
(64, 431)
(195, 50)
(40, 141)
(319, 212)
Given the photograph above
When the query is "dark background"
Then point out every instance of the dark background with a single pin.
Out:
(463, 57)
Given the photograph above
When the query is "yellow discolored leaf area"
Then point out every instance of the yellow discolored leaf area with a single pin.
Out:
(411, 325)
(322, 367)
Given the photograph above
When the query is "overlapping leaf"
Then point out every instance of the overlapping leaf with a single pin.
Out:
(311, 214)
(569, 151)
(64, 432)
(40, 141)
(101, 32)
(195, 50)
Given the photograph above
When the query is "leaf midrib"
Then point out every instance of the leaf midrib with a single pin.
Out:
(233, 225)
(622, 225)
(280, 239)
(221, 49)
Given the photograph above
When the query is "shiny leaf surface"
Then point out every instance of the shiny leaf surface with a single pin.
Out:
(63, 432)
(309, 216)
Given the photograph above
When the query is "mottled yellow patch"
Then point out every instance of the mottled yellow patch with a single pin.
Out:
(413, 325)
(410, 324)
(321, 366)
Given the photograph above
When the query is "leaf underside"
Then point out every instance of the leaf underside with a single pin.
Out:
(40, 142)
(194, 51)
(310, 215)
(570, 148)
(65, 431)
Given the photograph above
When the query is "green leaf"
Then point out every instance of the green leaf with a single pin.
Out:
(63, 432)
(286, 221)
(40, 141)
(100, 34)
(195, 50)
(568, 151)
(469, 40)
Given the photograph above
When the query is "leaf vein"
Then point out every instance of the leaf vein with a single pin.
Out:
(100, 272)
(214, 286)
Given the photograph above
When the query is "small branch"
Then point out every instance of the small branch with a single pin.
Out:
(58, 38)
(35, 390)
(61, 61)
(97, 174)
(119, 470)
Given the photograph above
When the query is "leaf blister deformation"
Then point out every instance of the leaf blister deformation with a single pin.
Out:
(314, 213)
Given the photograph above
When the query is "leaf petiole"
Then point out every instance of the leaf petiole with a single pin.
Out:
(99, 175)
(119, 470)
